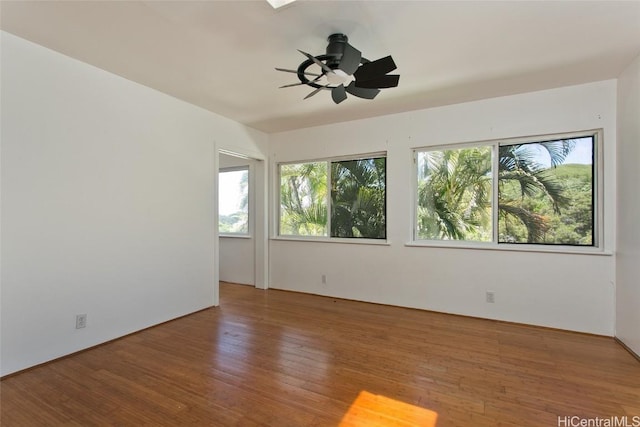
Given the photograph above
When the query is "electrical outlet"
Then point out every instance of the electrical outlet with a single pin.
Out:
(81, 321)
(491, 297)
(324, 279)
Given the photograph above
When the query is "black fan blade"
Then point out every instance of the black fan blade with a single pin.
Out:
(317, 61)
(350, 60)
(362, 92)
(295, 72)
(338, 94)
(315, 91)
(375, 69)
(292, 85)
(390, 80)
(303, 83)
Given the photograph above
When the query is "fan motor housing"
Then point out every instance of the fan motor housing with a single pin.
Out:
(335, 49)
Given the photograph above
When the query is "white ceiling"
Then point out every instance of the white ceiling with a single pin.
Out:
(221, 55)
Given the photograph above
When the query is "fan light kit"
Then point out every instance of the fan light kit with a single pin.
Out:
(276, 4)
(343, 70)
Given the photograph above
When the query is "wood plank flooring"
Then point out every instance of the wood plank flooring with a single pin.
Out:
(282, 359)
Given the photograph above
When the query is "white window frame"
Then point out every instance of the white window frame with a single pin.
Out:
(328, 238)
(597, 188)
(249, 232)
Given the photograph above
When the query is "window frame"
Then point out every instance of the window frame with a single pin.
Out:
(249, 232)
(328, 238)
(598, 246)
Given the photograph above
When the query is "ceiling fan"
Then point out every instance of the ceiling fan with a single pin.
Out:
(344, 70)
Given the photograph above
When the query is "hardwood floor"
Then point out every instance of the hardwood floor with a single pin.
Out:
(286, 359)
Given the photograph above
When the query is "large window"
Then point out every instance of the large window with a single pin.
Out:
(538, 191)
(233, 201)
(454, 194)
(334, 198)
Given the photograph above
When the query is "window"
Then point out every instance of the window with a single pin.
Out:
(545, 192)
(303, 199)
(233, 201)
(454, 194)
(335, 198)
(538, 191)
(358, 198)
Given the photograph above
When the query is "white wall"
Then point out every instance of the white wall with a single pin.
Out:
(568, 291)
(107, 204)
(237, 254)
(628, 248)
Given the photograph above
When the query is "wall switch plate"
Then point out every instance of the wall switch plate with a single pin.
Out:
(81, 321)
(324, 279)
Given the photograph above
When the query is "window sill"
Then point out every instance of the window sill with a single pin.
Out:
(354, 241)
(570, 250)
(235, 236)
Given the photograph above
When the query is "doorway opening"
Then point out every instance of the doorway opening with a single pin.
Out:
(240, 220)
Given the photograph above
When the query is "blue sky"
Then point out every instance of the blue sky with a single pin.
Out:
(581, 154)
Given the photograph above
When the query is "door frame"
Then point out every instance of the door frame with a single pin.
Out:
(260, 220)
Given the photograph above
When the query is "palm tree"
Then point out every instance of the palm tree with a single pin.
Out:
(303, 194)
(454, 194)
(521, 177)
(358, 198)
(454, 191)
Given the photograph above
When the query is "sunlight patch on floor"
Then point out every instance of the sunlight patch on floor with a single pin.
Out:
(373, 410)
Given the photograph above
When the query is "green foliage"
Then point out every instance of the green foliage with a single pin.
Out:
(540, 203)
(454, 194)
(569, 224)
(537, 203)
(236, 222)
(303, 195)
(358, 198)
